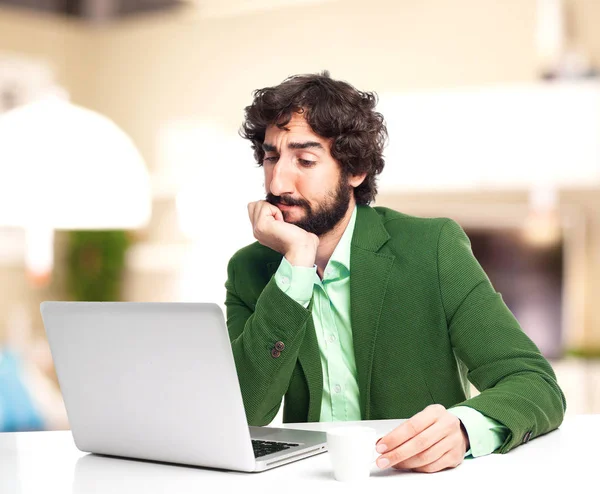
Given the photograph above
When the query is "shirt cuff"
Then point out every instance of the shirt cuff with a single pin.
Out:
(296, 281)
(485, 434)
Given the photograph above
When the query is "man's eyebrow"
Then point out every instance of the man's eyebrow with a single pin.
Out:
(305, 145)
(294, 145)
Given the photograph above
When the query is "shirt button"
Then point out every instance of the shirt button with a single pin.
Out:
(338, 388)
(332, 338)
(328, 272)
(285, 280)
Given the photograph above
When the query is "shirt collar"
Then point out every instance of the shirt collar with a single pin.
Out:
(339, 263)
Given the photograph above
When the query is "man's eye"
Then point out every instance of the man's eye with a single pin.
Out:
(306, 162)
(270, 159)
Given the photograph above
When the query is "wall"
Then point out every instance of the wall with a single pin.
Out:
(157, 68)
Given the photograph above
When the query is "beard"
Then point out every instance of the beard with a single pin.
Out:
(326, 216)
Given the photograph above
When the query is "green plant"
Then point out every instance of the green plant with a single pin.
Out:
(95, 264)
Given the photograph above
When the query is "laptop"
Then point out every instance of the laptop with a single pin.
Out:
(157, 381)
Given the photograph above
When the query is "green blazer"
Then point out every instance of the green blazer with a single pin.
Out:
(425, 317)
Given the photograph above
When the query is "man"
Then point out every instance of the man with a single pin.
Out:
(356, 313)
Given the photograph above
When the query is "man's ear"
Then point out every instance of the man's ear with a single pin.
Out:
(356, 180)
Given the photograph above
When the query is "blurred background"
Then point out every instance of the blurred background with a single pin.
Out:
(122, 176)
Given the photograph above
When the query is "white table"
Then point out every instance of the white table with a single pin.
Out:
(48, 462)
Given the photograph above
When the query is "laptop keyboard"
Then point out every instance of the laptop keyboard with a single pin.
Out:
(264, 448)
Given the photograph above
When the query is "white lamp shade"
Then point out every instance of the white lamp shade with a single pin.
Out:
(66, 167)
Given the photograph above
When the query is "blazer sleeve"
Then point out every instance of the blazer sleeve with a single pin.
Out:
(264, 375)
(517, 385)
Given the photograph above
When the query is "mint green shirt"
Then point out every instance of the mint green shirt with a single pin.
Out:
(331, 317)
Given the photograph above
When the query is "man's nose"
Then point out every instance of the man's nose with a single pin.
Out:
(282, 181)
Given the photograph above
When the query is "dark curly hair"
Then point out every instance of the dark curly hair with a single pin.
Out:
(334, 110)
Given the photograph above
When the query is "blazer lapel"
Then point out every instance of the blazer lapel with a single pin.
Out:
(369, 276)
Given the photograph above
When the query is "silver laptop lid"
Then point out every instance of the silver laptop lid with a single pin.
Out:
(154, 381)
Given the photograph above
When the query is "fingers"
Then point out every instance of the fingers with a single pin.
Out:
(427, 456)
(261, 209)
(422, 441)
(411, 428)
(415, 446)
(278, 214)
(449, 460)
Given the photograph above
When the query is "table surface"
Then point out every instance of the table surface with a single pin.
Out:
(48, 462)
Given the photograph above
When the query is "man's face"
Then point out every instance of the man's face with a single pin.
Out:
(302, 179)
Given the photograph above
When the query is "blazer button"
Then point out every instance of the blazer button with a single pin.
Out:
(275, 353)
(279, 346)
(527, 437)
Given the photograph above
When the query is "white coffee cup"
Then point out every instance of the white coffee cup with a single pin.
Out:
(352, 452)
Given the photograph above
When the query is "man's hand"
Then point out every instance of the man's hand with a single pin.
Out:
(297, 245)
(430, 441)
